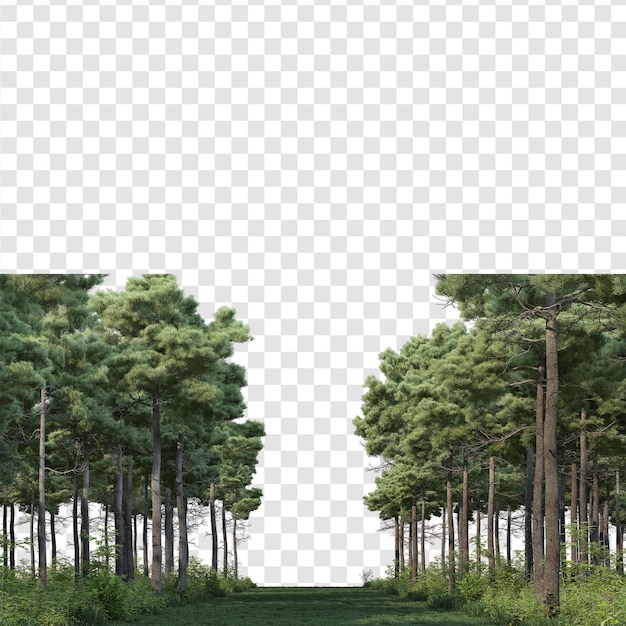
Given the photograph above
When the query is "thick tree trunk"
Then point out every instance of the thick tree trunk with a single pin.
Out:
(84, 515)
(169, 534)
(155, 486)
(128, 523)
(41, 518)
(213, 526)
(537, 517)
(118, 513)
(553, 548)
(583, 522)
(181, 507)
(528, 506)
(574, 514)
(450, 503)
(490, 508)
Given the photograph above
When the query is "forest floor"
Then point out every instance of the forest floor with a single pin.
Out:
(317, 606)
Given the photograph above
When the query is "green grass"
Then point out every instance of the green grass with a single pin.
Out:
(292, 606)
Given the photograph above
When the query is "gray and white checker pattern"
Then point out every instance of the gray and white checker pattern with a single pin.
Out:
(311, 165)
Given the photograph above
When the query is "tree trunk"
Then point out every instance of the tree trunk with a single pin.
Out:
(12, 538)
(146, 571)
(509, 522)
(402, 564)
(75, 531)
(106, 535)
(464, 519)
(84, 515)
(118, 513)
(490, 507)
(5, 534)
(574, 514)
(553, 548)
(155, 486)
(213, 526)
(41, 518)
(619, 537)
(478, 538)
(595, 513)
(605, 534)
(496, 532)
(423, 536)
(135, 542)
(53, 538)
(537, 517)
(414, 539)
(443, 537)
(32, 536)
(169, 533)
(528, 506)
(396, 561)
(225, 541)
(451, 560)
(236, 569)
(583, 522)
(128, 522)
(181, 506)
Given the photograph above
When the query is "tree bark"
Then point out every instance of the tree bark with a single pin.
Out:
(75, 531)
(528, 506)
(41, 518)
(12, 537)
(451, 560)
(537, 517)
(583, 522)
(53, 538)
(181, 506)
(169, 534)
(84, 515)
(552, 537)
(155, 486)
(5, 541)
(213, 526)
(490, 508)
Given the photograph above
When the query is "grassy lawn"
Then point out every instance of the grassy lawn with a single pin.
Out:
(290, 606)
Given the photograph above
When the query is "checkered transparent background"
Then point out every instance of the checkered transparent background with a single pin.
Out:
(312, 165)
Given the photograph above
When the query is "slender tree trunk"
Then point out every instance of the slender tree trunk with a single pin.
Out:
(53, 538)
(12, 537)
(32, 536)
(128, 522)
(595, 513)
(402, 556)
(478, 538)
(225, 541)
(169, 533)
(451, 560)
(464, 519)
(619, 537)
(444, 513)
(155, 486)
(235, 558)
(537, 518)
(396, 561)
(509, 522)
(528, 507)
(553, 548)
(41, 518)
(496, 532)
(106, 535)
(414, 541)
(181, 506)
(84, 515)
(490, 508)
(574, 514)
(146, 571)
(605, 533)
(135, 542)
(5, 534)
(411, 556)
(118, 512)
(423, 536)
(213, 526)
(583, 523)
(75, 530)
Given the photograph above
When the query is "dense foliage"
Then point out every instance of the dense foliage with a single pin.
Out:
(517, 411)
(120, 399)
